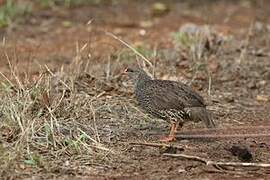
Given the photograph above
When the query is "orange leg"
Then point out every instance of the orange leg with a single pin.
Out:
(171, 137)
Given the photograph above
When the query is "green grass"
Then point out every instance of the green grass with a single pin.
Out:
(11, 10)
(129, 57)
(70, 3)
(193, 44)
(200, 44)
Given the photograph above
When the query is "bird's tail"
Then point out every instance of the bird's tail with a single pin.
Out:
(201, 114)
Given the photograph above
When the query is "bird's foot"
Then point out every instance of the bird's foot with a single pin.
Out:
(168, 139)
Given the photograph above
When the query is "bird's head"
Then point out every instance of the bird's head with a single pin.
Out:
(137, 74)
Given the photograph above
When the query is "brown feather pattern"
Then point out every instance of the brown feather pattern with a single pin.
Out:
(168, 100)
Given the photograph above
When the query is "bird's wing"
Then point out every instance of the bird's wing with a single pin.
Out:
(166, 95)
(192, 98)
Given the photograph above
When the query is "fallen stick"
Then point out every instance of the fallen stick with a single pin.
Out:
(220, 136)
(223, 133)
(181, 148)
(250, 128)
(216, 163)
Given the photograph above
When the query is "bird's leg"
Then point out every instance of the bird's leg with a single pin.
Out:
(171, 137)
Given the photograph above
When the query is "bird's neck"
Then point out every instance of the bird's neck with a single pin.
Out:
(142, 79)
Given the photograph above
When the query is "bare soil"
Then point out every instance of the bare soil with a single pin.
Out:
(239, 93)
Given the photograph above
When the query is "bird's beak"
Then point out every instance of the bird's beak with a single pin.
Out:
(125, 72)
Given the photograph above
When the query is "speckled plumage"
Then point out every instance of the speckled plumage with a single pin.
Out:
(168, 100)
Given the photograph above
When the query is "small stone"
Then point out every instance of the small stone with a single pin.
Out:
(142, 32)
(262, 98)
(181, 170)
(66, 163)
(262, 83)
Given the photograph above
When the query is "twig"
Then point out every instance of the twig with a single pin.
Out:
(220, 133)
(209, 84)
(220, 136)
(10, 83)
(237, 129)
(189, 157)
(130, 47)
(93, 111)
(13, 72)
(216, 163)
(181, 148)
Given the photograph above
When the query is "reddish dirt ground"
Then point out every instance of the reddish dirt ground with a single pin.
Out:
(239, 96)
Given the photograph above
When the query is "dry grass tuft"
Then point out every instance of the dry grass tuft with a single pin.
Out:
(51, 120)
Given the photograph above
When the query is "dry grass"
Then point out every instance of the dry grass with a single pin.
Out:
(50, 119)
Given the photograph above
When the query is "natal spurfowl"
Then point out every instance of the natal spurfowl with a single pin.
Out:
(172, 101)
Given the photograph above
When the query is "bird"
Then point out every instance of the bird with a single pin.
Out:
(172, 101)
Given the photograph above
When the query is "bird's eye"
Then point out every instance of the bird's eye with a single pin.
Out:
(129, 70)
